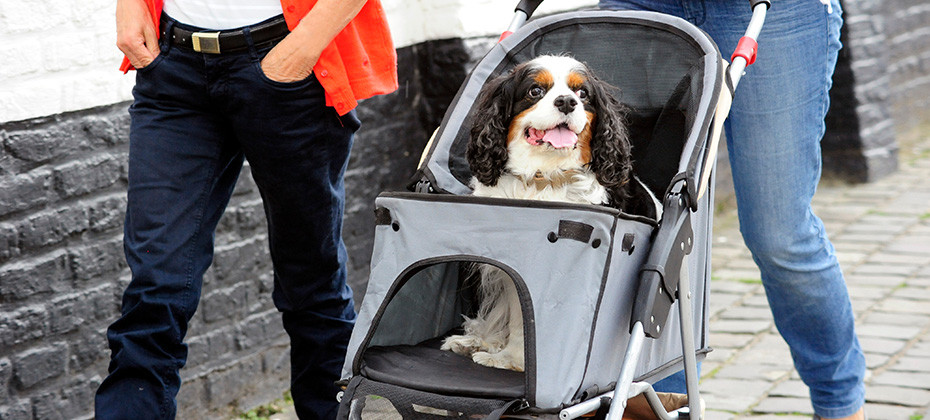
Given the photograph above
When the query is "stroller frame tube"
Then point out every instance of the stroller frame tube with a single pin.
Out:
(519, 19)
(633, 351)
(636, 388)
(687, 343)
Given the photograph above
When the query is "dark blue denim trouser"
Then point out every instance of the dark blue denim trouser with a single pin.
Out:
(194, 119)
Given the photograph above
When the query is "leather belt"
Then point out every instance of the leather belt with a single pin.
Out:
(228, 41)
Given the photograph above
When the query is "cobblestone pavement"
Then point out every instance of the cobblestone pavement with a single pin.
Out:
(881, 231)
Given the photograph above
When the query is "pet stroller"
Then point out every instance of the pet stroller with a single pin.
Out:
(593, 282)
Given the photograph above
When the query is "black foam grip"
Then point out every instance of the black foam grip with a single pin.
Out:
(528, 6)
(754, 3)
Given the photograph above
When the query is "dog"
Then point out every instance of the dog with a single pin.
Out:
(547, 130)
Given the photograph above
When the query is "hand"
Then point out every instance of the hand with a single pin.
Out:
(136, 35)
(287, 62)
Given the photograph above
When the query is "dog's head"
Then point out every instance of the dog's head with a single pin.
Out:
(549, 114)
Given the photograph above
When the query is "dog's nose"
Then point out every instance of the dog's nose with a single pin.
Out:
(565, 103)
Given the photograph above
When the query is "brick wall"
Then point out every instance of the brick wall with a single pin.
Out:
(62, 189)
(881, 88)
(57, 57)
(907, 28)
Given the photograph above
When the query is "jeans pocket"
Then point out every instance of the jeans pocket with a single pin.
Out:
(257, 65)
(158, 59)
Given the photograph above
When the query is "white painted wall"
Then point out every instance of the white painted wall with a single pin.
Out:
(60, 55)
(414, 21)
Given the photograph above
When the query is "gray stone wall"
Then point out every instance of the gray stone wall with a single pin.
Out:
(881, 92)
(62, 272)
(906, 24)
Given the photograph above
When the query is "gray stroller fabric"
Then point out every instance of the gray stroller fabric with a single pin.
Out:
(575, 267)
(577, 295)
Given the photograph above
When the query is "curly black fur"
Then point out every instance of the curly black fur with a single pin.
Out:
(611, 157)
(487, 149)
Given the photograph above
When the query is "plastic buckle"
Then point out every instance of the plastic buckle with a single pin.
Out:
(423, 186)
(746, 48)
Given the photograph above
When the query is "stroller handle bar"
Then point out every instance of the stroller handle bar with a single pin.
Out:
(525, 9)
(522, 13)
(745, 53)
(528, 6)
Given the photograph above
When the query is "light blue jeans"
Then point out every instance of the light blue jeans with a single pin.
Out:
(773, 135)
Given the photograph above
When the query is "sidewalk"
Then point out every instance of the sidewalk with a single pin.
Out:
(882, 235)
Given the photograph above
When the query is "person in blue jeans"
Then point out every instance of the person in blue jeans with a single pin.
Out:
(773, 135)
(272, 87)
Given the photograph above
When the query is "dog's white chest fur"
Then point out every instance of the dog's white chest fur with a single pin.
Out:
(583, 188)
(548, 177)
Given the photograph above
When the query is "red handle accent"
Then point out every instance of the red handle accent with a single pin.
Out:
(504, 35)
(747, 49)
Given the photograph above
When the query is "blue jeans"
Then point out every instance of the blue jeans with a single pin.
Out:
(195, 118)
(773, 135)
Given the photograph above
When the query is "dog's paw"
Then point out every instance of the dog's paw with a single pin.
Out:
(502, 360)
(466, 345)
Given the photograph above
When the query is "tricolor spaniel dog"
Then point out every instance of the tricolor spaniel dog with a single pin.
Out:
(547, 130)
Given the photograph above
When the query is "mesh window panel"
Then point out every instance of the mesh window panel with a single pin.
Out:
(377, 401)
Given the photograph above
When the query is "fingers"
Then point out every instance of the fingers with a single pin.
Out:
(135, 32)
(138, 52)
(288, 62)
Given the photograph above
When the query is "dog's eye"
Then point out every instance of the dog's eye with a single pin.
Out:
(582, 93)
(536, 92)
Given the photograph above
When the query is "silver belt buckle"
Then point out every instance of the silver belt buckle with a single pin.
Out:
(206, 42)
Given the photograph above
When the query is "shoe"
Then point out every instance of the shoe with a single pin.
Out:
(638, 407)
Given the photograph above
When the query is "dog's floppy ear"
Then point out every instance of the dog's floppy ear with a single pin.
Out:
(611, 157)
(487, 147)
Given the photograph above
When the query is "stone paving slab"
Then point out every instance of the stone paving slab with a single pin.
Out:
(896, 395)
(908, 379)
(790, 388)
(881, 232)
(782, 405)
(892, 412)
(912, 364)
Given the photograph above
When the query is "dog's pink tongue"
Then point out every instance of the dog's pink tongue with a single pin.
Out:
(560, 137)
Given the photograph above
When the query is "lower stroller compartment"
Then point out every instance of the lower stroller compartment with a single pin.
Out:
(373, 400)
(425, 367)
(574, 268)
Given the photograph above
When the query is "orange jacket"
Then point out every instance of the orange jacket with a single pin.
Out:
(359, 63)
